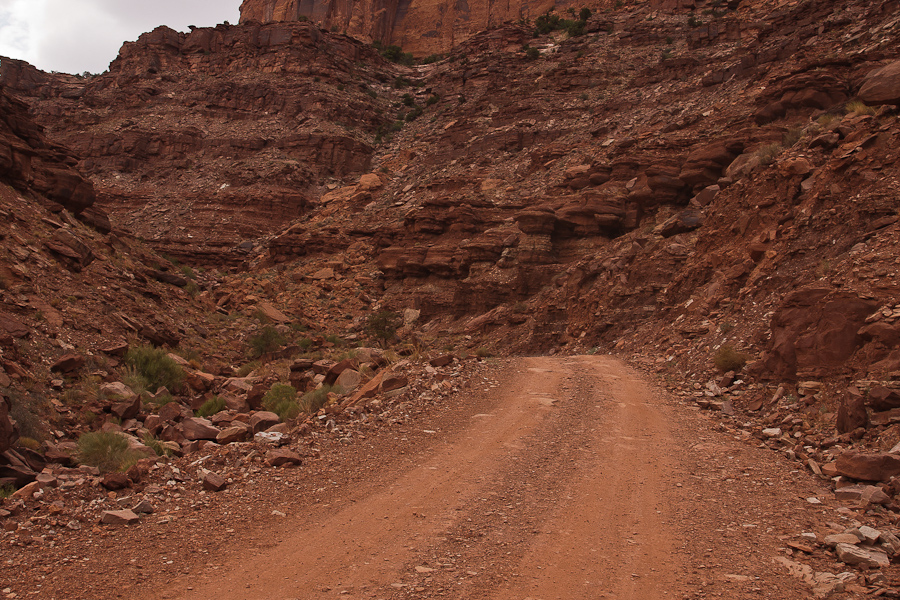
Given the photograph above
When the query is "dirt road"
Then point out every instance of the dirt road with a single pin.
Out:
(567, 478)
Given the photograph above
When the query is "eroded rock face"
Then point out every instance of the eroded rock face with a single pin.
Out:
(420, 26)
(29, 161)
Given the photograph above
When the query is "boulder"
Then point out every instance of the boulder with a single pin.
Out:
(882, 86)
(70, 250)
(195, 428)
(442, 361)
(852, 414)
(879, 466)
(272, 313)
(262, 420)
(12, 326)
(128, 408)
(854, 493)
(370, 182)
(883, 398)
(348, 381)
(335, 371)
(213, 482)
(814, 332)
(854, 555)
(394, 382)
(236, 433)
(115, 481)
(280, 457)
(172, 412)
(68, 363)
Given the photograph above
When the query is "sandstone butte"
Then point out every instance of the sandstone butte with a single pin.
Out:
(706, 189)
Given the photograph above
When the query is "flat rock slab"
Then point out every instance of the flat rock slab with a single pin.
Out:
(119, 517)
(283, 457)
(854, 555)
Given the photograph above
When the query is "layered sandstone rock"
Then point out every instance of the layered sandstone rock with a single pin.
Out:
(29, 161)
(422, 26)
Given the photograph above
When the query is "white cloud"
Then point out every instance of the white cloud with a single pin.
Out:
(85, 35)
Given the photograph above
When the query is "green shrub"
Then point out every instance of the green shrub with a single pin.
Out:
(312, 401)
(192, 289)
(414, 114)
(383, 325)
(267, 340)
(728, 359)
(212, 406)
(282, 400)
(156, 445)
(155, 367)
(532, 53)
(248, 368)
(792, 136)
(6, 491)
(106, 451)
(483, 353)
(401, 82)
(408, 100)
(29, 410)
(161, 400)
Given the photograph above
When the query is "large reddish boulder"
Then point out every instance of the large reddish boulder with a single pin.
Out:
(882, 86)
(879, 466)
(814, 332)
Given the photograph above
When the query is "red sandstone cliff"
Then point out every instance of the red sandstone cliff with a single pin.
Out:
(419, 26)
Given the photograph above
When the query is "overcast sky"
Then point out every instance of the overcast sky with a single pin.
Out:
(74, 36)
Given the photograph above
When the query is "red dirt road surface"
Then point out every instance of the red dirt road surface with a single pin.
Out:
(561, 477)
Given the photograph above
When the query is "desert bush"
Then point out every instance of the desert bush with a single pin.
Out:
(28, 410)
(212, 406)
(248, 368)
(134, 380)
(768, 153)
(282, 400)
(106, 451)
(267, 340)
(532, 53)
(154, 444)
(728, 359)
(483, 352)
(383, 325)
(155, 366)
(312, 401)
(414, 114)
(161, 400)
(792, 136)
(827, 119)
(859, 108)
